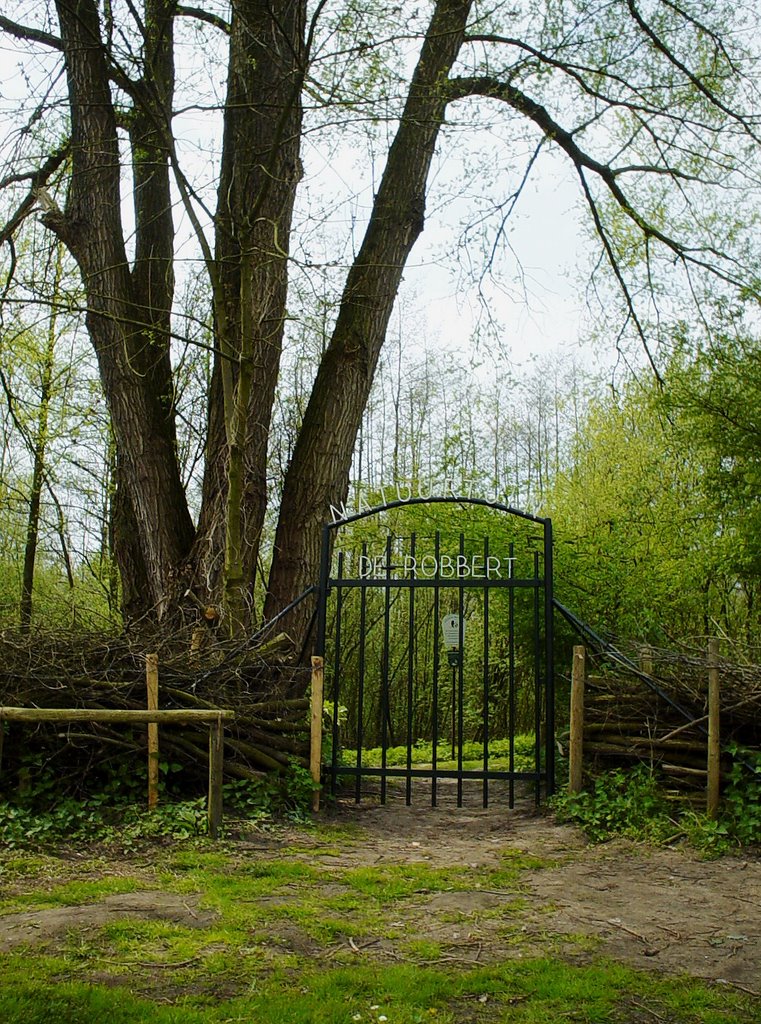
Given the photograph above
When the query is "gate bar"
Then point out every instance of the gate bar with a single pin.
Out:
(336, 675)
(384, 708)
(511, 682)
(486, 682)
(460, 680)
(361, 699)
(435, 721)
(315, 726)
(537, 691)
(549, 659)
(410, 671)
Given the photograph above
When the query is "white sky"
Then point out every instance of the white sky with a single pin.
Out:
(542, 313)
(538, 314)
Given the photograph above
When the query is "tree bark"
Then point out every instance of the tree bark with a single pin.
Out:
(39, 455)
(318, 474)
(128, 312)
(260, 172)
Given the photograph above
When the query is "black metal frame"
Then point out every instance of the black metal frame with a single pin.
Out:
(340, 585)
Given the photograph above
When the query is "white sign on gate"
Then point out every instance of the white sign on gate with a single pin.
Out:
(445, 567)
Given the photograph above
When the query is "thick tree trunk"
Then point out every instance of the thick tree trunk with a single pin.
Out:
(127, 550)
(260, 173)
(318, 475)
(128, 315)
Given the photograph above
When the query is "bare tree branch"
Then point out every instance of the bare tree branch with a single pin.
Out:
(495, 89)
(26, 32)
(699, 84)
(37, 179)
(207, 16)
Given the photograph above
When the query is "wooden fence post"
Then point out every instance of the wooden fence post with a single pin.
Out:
(152, 686)
(714, 731)
(216, 770)
(315, 745)
(576, 741)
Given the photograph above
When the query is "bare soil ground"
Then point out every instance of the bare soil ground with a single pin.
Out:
(664, 910)
(40, 926)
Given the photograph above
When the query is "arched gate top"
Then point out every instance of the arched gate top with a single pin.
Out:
(342, 516)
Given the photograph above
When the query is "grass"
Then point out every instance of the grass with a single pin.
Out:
(74, 893)
(297, 941)
(540, 991)
(472, 755)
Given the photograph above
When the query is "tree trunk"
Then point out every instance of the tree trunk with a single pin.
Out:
(318, 475)
(39, 454)
(128, 314)
(260, 172)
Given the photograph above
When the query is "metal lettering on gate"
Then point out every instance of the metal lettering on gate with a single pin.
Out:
(438, 653)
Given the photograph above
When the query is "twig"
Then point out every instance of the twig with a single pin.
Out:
(741, 988)
(642, 1006)
(629, 931)
(179, 963)
(665, 928)
(681, 728)
(744, 899)
(146, 963)
(445, 959)
(356, 947)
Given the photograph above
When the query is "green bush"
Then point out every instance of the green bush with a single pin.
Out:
(631, 803)
(742, 798)
(43, 815)
(622, 802)
(73, 820)
(288, 793)
(739, 821)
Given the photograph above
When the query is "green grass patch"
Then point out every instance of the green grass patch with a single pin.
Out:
(74, 893)
(388, 883)
(24, 865)
(540, 991)
(233, 886)
(423, 949)
(195, 859)
(472, 755)
(76, 1003)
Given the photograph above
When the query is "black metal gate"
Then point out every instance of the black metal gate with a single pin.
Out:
(438, 652)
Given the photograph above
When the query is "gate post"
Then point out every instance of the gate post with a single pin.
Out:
(576, 741)
(315, 744)
(152, 688)
(216, 764)
(714, 731)
(549, 659)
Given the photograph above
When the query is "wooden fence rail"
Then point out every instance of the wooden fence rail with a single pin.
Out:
(214, 719)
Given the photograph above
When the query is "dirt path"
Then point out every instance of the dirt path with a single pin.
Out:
(662, 910)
